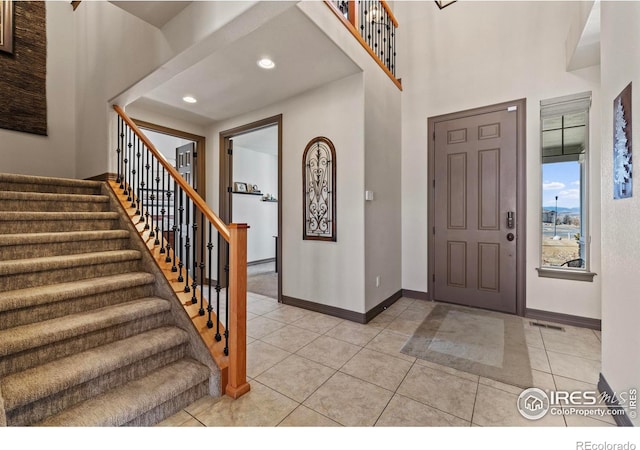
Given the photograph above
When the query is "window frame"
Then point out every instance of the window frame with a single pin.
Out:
(576, 103)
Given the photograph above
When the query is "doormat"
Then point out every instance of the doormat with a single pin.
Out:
(484, 343)
(23, 75)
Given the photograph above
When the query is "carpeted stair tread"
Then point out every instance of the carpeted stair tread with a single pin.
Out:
(124, 403)
(48, 379)
(18, 216)
(41, 295)
(51, 181)
(68, 236)
(31, 265)
(52, 197)
(38, 334)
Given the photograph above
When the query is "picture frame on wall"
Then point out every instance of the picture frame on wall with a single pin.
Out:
(622, 155)
(6, 26)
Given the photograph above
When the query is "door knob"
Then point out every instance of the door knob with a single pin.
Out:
(510, 237)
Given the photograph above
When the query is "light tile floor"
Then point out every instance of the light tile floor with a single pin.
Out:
(310, 369)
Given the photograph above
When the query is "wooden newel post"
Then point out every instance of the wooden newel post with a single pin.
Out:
(353, 13)
(237, 383)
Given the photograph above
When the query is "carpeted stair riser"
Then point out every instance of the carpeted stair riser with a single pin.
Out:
(26, 222)
(57, 401)
(19, 201)
(61, 248)
(169, 408)
(159, 394)
(40, 355)
(42, 295)
(12, 281)
(37, 313)
(48, 188)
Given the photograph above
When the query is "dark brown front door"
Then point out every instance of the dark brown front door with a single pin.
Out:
(475, 210)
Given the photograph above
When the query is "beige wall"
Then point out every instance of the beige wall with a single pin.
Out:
(474, 54)
(330, 273)
(52, 155)
(382, 163)
(620, 38)
(113, 50)
(383, 226)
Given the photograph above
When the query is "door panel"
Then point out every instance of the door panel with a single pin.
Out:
(186, 163)
(475, 166)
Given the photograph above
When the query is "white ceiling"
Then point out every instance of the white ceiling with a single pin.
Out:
(152, 12)
(229, 82)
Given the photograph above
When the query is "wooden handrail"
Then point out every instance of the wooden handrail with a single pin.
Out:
(386, 7)
(222, 228)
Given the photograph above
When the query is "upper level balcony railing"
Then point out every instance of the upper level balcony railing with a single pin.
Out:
(373, 24)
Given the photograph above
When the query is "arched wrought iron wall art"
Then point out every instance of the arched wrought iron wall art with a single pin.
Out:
(319, 190)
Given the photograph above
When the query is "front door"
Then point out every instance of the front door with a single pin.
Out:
(475, 211)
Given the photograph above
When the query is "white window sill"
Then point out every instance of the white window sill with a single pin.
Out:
(566, 274)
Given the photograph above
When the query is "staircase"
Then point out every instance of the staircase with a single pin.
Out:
(88, 336)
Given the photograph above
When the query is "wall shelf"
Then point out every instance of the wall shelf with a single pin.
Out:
(271, 201)
(248, 193)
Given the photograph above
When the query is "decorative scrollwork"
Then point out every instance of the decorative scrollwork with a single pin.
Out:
(319, 193)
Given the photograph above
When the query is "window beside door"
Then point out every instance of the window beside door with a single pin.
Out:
(564, 249)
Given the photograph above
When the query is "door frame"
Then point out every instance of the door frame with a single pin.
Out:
(521, 194)
(226, 167)
(201, 151)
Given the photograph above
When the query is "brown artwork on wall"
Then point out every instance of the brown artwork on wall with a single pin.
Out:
(23, 72)
(319, 190)
(6, 26)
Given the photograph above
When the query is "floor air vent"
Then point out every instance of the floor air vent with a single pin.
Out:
(544, 325)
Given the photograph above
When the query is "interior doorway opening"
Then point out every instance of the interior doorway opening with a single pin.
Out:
(250, 192)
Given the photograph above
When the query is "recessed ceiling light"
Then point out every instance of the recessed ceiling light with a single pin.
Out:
(189, 99)
(266, 63)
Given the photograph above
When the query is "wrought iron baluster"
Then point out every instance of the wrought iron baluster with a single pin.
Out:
(120, 140)
(202, 280)
(392, 49)
(388, 41)
(137, 174)
(142, 193)
(194, 272)
(126, 167)
(157, 214)
(180, 222)
(163, 211)
(226, 304)
(218, 288)
(187, 246)
(152, 232)
(132, 185)
(175, 226)
(168, 245)
(147, 190)
(209, 306)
